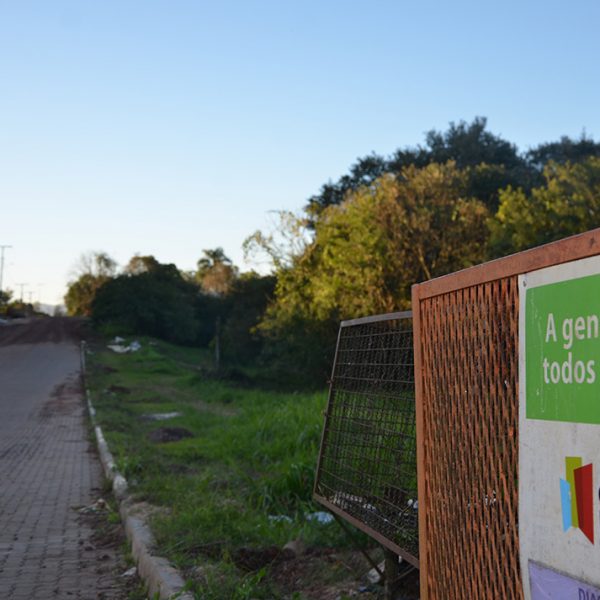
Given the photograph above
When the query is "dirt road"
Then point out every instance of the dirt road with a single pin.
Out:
(49, 548)
(33, 331)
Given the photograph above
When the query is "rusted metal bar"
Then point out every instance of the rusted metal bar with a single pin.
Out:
(413, 560)
(326, 415)
(420, 434)
(407, 314)
(575, 247)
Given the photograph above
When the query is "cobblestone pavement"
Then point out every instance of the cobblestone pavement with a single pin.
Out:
(48, 470)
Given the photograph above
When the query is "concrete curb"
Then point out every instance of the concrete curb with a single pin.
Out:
(163, 580)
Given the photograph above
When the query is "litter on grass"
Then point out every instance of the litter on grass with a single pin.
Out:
(374, 575)
(98, 506)
(119, 348)
(280, 519)
(161, 416)
(322, 517)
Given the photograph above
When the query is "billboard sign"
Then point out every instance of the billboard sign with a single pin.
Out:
(559, 430)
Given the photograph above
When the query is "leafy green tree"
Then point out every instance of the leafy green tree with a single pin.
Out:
(248, 299)
(563, 151)
(368, 251)
(467, 144)
(91, 272)
(157, 302)
(287, 240)
(568, 203)
(141, 264)
(80, 294)
(216, 273)
(363, 172)
(5, 298)
(97, 264)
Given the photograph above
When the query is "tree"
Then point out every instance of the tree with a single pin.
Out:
(247, 301)
(80, 295)
(366, 254)
(467, 144)
(157, 302)
(95, 263)
(369, 250)
(563, 151)
(216, 273)
(141, 264)
(568, 203)
(92, 271)
(5, 298)
(362, 172)
(288, 239)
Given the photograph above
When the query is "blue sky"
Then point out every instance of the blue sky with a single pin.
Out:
(168, 127)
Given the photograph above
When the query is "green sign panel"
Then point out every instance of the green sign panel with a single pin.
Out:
(562, 351)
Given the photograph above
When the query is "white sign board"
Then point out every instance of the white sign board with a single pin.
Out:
(559, 431)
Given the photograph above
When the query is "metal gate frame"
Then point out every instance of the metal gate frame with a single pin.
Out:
(478, 570)
(331, 506)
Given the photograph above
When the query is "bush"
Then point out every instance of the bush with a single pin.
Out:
(158, 303)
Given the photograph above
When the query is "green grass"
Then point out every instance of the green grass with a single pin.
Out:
(252, 456)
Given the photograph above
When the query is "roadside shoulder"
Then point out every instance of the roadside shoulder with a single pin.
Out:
(162, 579)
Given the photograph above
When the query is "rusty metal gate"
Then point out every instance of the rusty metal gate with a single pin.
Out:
(367, 464)
(466, 366)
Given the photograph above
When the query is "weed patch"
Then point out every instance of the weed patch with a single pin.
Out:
(231, 467)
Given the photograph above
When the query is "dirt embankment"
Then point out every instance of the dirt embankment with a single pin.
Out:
(43, 329)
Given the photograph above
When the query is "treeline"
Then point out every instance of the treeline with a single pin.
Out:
(13, 308)
(151, 298)
(464, 197)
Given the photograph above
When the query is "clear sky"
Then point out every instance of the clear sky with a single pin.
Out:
(168, 127)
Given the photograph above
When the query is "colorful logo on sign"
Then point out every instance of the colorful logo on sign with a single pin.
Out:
(577, 498)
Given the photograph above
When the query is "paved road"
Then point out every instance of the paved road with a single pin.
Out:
(48, 469)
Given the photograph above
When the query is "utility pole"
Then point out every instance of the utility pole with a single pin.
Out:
(2, 248)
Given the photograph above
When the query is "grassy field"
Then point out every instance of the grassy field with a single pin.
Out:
(231, 476)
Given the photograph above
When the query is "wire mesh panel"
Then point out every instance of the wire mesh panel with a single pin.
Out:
(367, 465)
(469, 365)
